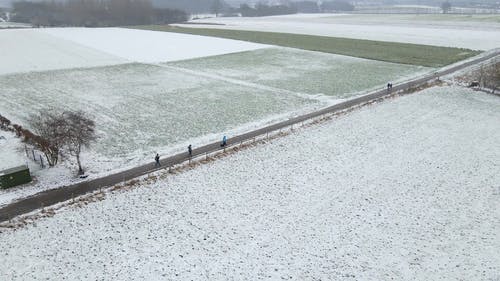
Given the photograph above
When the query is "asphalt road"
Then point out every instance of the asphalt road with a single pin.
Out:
(53, 196)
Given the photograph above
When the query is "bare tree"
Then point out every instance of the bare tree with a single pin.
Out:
(217, 7)
(80, 133)
(446, 7)
(56, 133)
(489, 76)
(50, 129)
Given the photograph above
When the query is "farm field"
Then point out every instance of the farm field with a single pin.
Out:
(424, 19)
(405, 189)
(478, 34)
(140, 109)
(476, 21)
(24, 50)
(45, 49)
(414, 54)
(150, 46)
(311, 73)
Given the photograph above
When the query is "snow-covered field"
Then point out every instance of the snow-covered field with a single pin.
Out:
(24, 50)
(407, 189)
(313, 73)
(143, 109)
(151, 46)
(476, 35)
(64, 48)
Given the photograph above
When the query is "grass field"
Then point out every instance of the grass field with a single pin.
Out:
(422, 55)
(303, 71)
(142, 108)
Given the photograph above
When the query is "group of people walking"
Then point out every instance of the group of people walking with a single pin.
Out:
(190, 151)
(389, 86)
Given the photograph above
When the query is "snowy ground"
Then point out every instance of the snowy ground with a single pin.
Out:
(9, 154)
(151, 46)
(407, 189)
(140, 110)
(143, 109)
(25, 50)
(6, 24)
(476, 35)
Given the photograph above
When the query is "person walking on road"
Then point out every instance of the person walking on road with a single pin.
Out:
(224, 141)
(157, 160)
(190, 150)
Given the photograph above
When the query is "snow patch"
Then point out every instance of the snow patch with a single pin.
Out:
(151, 46)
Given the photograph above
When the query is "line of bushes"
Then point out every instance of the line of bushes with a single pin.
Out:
(56, 134)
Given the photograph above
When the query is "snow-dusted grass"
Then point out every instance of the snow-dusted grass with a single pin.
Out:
(24, 50)
(474, 35)
(140, 109)
(303, 71)
(144, 109)
(407, 190)
(150, 46)
(414, 54)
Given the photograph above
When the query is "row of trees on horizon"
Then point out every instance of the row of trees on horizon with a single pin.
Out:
(94, 13)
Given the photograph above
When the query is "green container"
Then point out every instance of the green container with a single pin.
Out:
(14, 177)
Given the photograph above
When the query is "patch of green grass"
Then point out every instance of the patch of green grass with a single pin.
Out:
(303, 71)
(142, 108)
(423, 55)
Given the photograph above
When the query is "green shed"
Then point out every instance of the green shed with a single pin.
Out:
(14, 177)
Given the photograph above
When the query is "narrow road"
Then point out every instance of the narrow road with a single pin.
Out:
(53, 196)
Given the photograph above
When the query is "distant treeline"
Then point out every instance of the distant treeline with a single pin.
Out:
(193, 6)
(94, 13)
(261, 10)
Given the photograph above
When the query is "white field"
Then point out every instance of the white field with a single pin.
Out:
(64, 48)
(143, 109)
(476, 35)
(25, 50)
(6, 24)
(406, 189)
(151, 46)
